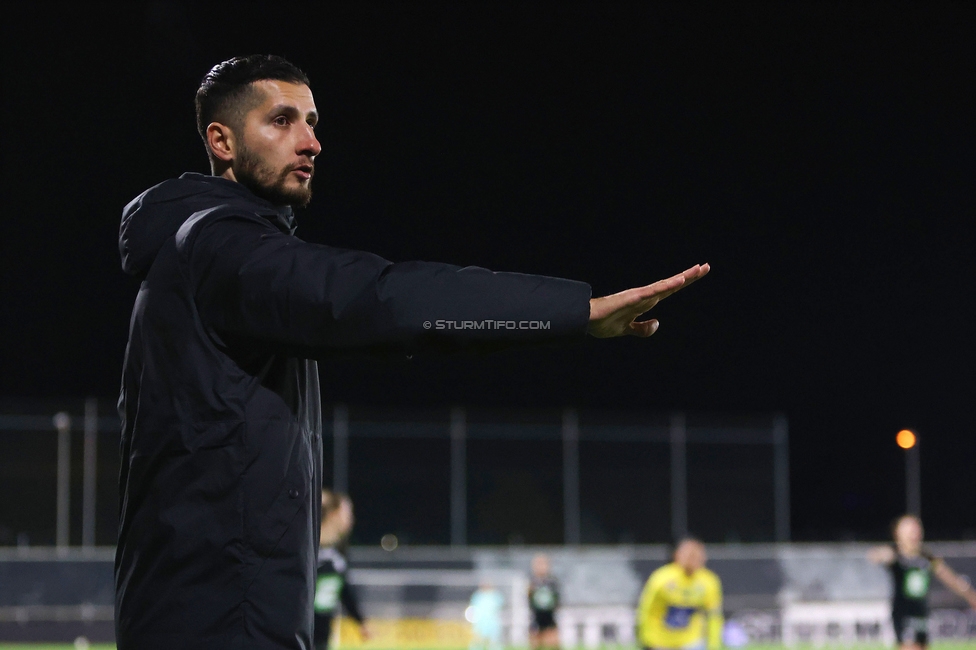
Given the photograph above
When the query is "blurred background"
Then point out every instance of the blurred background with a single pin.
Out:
(818, 155)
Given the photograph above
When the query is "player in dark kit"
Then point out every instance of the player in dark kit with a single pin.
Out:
(912, 568)
(331, 585)
(543, 601)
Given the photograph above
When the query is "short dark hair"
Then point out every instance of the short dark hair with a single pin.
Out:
(224, 92)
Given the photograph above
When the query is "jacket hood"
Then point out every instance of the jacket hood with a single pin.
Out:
(155, 215)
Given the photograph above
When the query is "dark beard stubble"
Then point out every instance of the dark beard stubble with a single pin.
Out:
(268, 183)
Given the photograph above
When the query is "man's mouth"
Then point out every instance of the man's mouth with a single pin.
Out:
(304, 171)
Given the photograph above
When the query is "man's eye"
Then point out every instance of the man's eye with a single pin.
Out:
(281, 120)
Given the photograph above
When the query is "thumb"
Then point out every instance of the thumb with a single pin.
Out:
(644, 328)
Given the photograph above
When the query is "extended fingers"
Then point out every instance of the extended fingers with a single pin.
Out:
(664, 288)
(695, 273)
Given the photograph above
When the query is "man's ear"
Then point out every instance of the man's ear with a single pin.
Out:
(220, 140)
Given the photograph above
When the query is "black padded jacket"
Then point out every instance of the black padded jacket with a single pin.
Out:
(221, 413)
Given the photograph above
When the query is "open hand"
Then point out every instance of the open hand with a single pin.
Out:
(616, 314)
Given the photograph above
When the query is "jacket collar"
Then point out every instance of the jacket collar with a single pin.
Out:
(283, 215)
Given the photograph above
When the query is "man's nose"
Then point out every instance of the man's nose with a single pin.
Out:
(309, 145)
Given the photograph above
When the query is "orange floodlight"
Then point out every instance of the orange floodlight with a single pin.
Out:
(906, 439)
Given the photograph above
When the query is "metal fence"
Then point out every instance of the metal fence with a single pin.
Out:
(44, 470)
(449, 476)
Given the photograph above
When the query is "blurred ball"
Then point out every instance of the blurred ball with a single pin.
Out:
(81, 643)
(389, 542)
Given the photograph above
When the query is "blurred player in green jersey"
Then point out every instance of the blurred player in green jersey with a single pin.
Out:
(331, 586)
(543, 601)
(912, 568)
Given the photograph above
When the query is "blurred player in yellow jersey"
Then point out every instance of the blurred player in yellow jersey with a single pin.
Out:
(681, 605)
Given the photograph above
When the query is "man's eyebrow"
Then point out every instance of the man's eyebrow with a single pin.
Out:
(291, 111)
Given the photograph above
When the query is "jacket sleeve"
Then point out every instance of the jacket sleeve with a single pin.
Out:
(251, 279)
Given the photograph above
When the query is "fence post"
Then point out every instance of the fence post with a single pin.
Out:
(62, 422)
(340, 448)
(459, 477)
(913, 478)
(571, 477)
(679, 477)
(781, 477)
(89, 473)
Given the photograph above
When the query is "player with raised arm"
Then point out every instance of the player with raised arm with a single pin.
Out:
(543, 601)
(912, 568)
(677, 601)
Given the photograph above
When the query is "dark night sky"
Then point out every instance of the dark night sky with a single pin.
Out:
(819, 155)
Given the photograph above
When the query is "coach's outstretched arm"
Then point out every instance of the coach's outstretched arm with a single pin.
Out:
(616, 314)
(253, 280)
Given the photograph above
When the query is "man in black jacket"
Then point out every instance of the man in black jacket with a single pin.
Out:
(220, 405)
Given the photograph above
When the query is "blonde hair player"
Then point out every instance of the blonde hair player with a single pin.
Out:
(331, 586)
(912, 568)
(681, 605)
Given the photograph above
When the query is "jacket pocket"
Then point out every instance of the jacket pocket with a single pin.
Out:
(268, 530)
